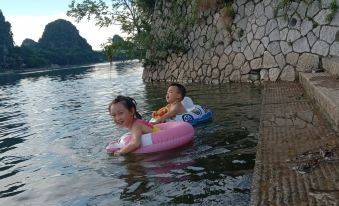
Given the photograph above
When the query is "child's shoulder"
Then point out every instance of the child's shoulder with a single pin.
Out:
(179, 104)
(141, 122)
(178, 107)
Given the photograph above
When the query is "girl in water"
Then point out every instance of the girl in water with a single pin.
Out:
(124, 114)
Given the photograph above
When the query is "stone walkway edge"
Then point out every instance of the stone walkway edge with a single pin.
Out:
(297, 160)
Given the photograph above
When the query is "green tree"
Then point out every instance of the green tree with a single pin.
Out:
(117, 49)
(109, 52)
(27, 57)
(134, 17)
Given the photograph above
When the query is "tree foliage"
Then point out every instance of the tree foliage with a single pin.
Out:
(134, 17)
(117, 49)
(130, 14)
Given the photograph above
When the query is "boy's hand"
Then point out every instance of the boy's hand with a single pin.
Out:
(160, 120)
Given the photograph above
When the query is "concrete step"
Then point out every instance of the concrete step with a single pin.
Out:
(324, 89)
(331, 65)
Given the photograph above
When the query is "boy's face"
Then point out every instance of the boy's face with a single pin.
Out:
(173, 94)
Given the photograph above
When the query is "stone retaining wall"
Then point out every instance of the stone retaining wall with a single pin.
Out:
(259, 47)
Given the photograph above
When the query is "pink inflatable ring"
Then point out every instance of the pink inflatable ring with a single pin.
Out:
(170, 136)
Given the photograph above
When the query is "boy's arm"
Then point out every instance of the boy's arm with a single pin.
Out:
(134, 143)
(172, 113)
(160, 112)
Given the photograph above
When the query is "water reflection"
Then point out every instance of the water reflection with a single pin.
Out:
(59, 75)
(11, 166)
(136, 180)
(59, 120)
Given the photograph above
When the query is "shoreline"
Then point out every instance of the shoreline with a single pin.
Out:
(47, 69)
(56, 68)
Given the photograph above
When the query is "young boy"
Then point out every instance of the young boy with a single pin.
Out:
(175, 94)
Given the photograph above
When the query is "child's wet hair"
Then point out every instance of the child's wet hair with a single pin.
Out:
(181, 89)
(128, 102)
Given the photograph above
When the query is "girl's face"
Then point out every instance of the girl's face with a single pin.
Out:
(173, 94)
(121, 116)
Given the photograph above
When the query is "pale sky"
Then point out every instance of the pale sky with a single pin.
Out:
(28, 19)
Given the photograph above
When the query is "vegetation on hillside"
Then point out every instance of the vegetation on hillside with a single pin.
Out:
(63, 45)
(133, 16)
(117, 49)
(60, 45)
(6, 41)
(136, 16)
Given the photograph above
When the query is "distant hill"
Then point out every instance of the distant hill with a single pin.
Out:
(60, 44)
(6, 41)
(64, 45)
(30, 43)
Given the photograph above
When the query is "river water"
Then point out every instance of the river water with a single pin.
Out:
(54, 127)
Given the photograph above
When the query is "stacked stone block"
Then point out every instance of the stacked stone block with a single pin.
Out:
(261, 46)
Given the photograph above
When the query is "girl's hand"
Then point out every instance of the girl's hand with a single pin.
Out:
(117, 153)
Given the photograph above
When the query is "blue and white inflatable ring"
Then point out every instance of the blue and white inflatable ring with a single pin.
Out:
(195, 113)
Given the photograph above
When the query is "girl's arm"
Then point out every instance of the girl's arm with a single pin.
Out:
(135, 141)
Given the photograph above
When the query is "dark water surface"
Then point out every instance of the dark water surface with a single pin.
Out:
(54, 127)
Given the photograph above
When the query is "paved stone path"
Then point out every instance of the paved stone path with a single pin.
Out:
(297, 161)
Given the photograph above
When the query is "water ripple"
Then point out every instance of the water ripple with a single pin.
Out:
(59, 120)
(12, 190)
